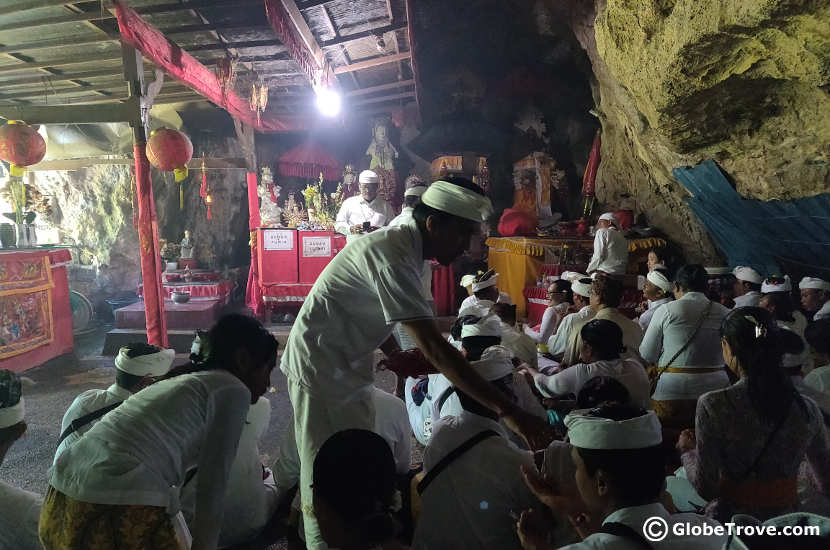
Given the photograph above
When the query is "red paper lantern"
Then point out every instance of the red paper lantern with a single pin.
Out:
(169, 149)
(20, 145)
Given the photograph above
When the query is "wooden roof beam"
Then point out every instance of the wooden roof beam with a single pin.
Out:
(362, 34)
(68, 114)
(360, 65)
(373, 89)
(381, 99)
(25, 5)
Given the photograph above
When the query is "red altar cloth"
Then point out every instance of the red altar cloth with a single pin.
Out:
(443, 290)
(198, 291)
(537, 303)
(285, 292)
(61, 313)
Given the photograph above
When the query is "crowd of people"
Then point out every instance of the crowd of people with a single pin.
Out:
(576, 433)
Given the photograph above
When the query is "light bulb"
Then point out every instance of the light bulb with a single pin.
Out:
(328, 102)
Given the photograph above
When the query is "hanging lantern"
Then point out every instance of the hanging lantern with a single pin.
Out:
(169, 149)
(20, 146)
(259, 98)
(225, 71)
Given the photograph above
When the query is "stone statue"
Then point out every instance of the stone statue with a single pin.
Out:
(382, 155)
(270, 213)
(350, 187)
(186, 247)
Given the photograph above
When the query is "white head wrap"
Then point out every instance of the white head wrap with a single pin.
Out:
(774, 286)
(747, 274)
(486, 326)
(591, 432)
(467, 280)
(9, 416)
(572, 276)
(367, 176)
(458, 201)
(153, 364)
(486, 284)
(495, 363)
(609, 216)
(814, 282)
(581, 288)
(478, 309)
(659, 280)
(416, 191)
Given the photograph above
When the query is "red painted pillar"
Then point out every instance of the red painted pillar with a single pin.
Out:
(253, 293)
(148, 237)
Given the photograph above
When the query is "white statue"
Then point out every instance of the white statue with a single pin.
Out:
(381, 150)
(186, 247)
(270, 213)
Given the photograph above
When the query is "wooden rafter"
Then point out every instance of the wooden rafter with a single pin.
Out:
(24, 5)
(362, 34)
(380, 88)
(360, 65)
(381, 99)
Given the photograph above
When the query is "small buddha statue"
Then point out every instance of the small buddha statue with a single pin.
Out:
(269, 211)
(187, 246)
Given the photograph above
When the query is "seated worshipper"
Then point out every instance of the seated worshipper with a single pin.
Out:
(355, 511)
(558, 343)
(606, 293)
(137, 365)
(602, 343)
(815, 297)
(777, 299)
(484, 288)
(750, 438)
(610, 247)
(657, 291)
(251, 496)
(365, 212)
(19, 509)
(467, 498)
(818, 336)
(618, 458)
(747, 287)
(656, 259)
(560, 298)
(120, 482)
(520, 345)
(683, 343)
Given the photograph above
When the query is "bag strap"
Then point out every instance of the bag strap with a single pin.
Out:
(625, 531)
(79, 423)
(443, 398)
(685, 346)
(430, 476)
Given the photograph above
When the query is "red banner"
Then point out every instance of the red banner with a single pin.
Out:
(188, 70)
(253, 293)
(148, 238)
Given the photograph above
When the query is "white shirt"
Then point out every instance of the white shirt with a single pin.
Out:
(356, 211)
(670, 328)
(392, 424)
(403, 218)
(819, 379)
(548, 325)
(558, 343)
(470, 301)
(750, 299)
(352, 309)
(86, 403)
(653, 306)
(823, 313)
(19, 517)
(629, 372)
(521, 345)
(636, 516)
(140, 453)
(610, 252)
(468, 505)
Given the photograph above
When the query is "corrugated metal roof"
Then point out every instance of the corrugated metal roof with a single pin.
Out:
(770, 236)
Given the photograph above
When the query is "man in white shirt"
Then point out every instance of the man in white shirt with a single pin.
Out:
(619, 459)
(687, 331)
(351, 311)
(747, 287)
(815, 297)
(558, 343)
(610, 247)
(19, 509)
(363, 213)
(657, 291)
(484, 288)
(136, 366)
(466, 501)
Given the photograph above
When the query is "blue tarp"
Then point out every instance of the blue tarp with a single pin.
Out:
(770, 236)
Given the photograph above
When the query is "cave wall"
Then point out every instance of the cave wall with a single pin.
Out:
(744, 82)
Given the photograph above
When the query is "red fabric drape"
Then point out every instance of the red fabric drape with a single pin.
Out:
(443, 290)
(589, 180)
(307, 161)
(148, 236)
(188, 70)
(253, 292)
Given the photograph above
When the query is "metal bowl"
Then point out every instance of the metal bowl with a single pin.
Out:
(180, 297)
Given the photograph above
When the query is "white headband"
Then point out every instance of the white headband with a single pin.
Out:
(486, 284)
(9, 416)
(583, 289)
(495, 363)
(659, 280)
(572, 276)
(591, 432)
(814, 282)
(608, 216)
(769, 286)
(467, 280)
(458, 201)
(486, 326)
(415, 191)
(479, 309)
(367, 176)
(153, 364)
(747, 274)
